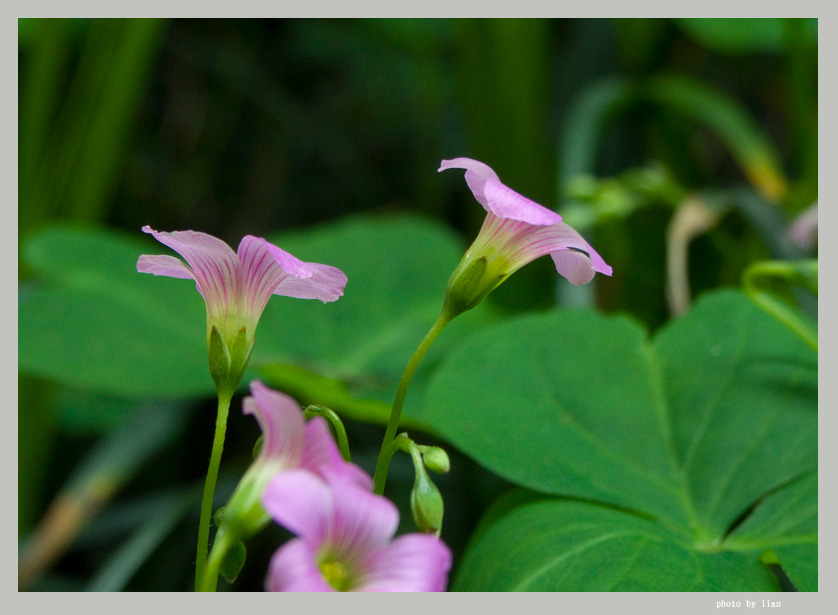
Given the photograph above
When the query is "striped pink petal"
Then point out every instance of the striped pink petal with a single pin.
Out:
(496, 197)
(281, 421)
(167, 266)
(213, 263)
(326, 284)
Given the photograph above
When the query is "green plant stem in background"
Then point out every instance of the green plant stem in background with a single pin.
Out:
(804, 273)
(207, 581)
(383, 463)
(209, 488)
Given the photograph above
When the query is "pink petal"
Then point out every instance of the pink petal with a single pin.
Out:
(293, 568)
(263, 269)
(301, 502)
(321, 455)
(281, 420)
(570, 238)
(411, 563)
(476, 175)
(214, 265)
(326, 283)
(803, 232)
(498, 198)
(575, 266)
(526, 243)
(363, 521)
(161, 264)
(506, 203)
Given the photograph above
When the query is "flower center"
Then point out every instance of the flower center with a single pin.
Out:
(336, 575)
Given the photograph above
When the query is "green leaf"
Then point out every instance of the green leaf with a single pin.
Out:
(690, 429)
(743, 35)
(787, 523)
(558, 545)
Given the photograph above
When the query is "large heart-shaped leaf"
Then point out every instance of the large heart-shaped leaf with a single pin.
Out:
(691, 429)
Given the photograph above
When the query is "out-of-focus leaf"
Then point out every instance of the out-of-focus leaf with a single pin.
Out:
(112, 462)
(746, 141)
(742, 35)
(168, 510)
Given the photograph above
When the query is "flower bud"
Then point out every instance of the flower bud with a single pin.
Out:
(436, 459)
(426, 504)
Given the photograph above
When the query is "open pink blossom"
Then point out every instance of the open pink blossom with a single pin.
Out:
(515, 232)
(236, 286)
(345, 540)
(289, 443)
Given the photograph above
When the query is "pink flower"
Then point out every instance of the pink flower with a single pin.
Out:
(289, 443)
(515, 232)
(345, 540)
(236, 288)
(803, 231)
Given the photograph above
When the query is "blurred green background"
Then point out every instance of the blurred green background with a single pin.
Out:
(682, 149)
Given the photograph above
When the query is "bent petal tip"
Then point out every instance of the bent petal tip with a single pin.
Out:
(326, 283)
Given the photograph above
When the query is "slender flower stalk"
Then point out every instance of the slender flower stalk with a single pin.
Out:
(236, 287)
(209, 486)
(384, 456)
(515, 232)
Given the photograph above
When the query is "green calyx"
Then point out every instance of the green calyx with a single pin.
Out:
(233, 561)
(244, 515)
(471, 281)
(228, 359)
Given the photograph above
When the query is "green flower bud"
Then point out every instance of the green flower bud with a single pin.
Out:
(436, 459)
(426, 504)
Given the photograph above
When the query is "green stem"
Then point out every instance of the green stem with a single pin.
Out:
(383, 463)
(209, 488)
(337, 425)
(209, 580)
